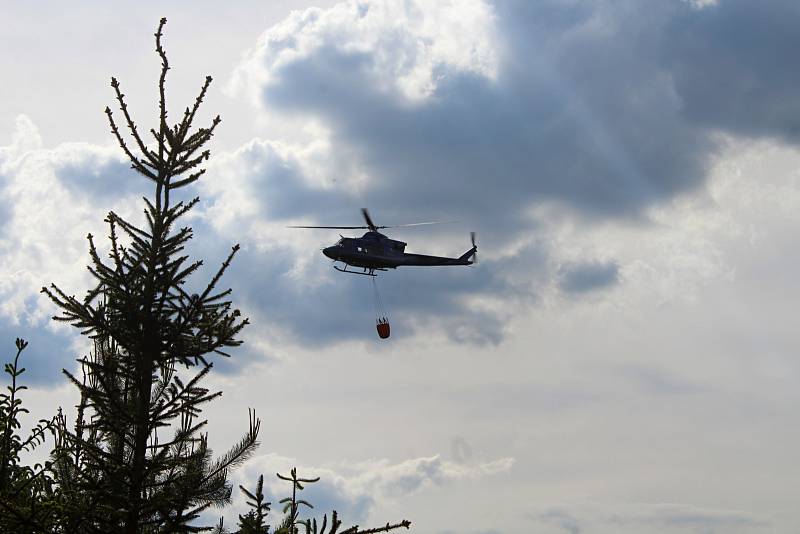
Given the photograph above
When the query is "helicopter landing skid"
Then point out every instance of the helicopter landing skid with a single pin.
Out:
(367, 271)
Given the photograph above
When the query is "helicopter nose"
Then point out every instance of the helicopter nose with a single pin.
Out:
(329, 252)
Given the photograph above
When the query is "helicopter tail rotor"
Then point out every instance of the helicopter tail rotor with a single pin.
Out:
(474, 247)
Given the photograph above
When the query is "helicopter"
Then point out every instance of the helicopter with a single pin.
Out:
(376, 252)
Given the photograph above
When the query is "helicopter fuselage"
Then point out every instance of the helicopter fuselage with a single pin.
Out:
(374, 250)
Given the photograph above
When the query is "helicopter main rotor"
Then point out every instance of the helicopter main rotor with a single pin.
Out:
(371, 226)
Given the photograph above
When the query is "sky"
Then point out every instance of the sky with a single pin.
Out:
(623, 356)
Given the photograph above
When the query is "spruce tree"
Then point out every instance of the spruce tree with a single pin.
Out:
(255, 520)
(137, 458)
(292, 520)
(24, 490)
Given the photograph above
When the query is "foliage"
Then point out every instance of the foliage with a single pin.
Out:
(136, 458)
(23, 488)
(291, 522)
(116, 465)
(254, 521)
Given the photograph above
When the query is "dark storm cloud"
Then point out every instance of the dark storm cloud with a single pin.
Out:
(580, 278)
(275, 183)
(734, 66)
(605, 108)
(602, 106)
(343, 307)
(580, 113)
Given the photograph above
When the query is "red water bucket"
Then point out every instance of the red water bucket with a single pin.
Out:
(383, 330)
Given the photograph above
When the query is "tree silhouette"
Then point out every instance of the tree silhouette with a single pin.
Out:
(136, 458)
(255, 520)
(292, 521)
(23, 489)
(149, 333)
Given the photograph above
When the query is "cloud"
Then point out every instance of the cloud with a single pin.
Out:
(49, 200)
(700, 4)
(281, 277)
(733, 67)
(99, 174)
(561, 519)
(35, 215)
(404, 45)
(25, 139)
(48, 352)
(709, 384)
(279, 281)
(549, 120)
(648, 517)
(585, 277)
(682, 517)
(354, 489)
(598, 111)
(653, 380)
(518, 119)
(579, 108)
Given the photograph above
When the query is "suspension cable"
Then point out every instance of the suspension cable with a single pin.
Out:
(380, 312)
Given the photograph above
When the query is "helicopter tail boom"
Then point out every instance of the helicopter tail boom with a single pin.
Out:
(468, 254)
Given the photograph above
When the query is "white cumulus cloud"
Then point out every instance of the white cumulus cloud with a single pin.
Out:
(408, 43)
(353, 489)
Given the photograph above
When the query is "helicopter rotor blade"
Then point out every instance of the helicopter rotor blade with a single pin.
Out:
(376, 227)
(371, 225)
(333, 227)
(368, 219)
(417, 224)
